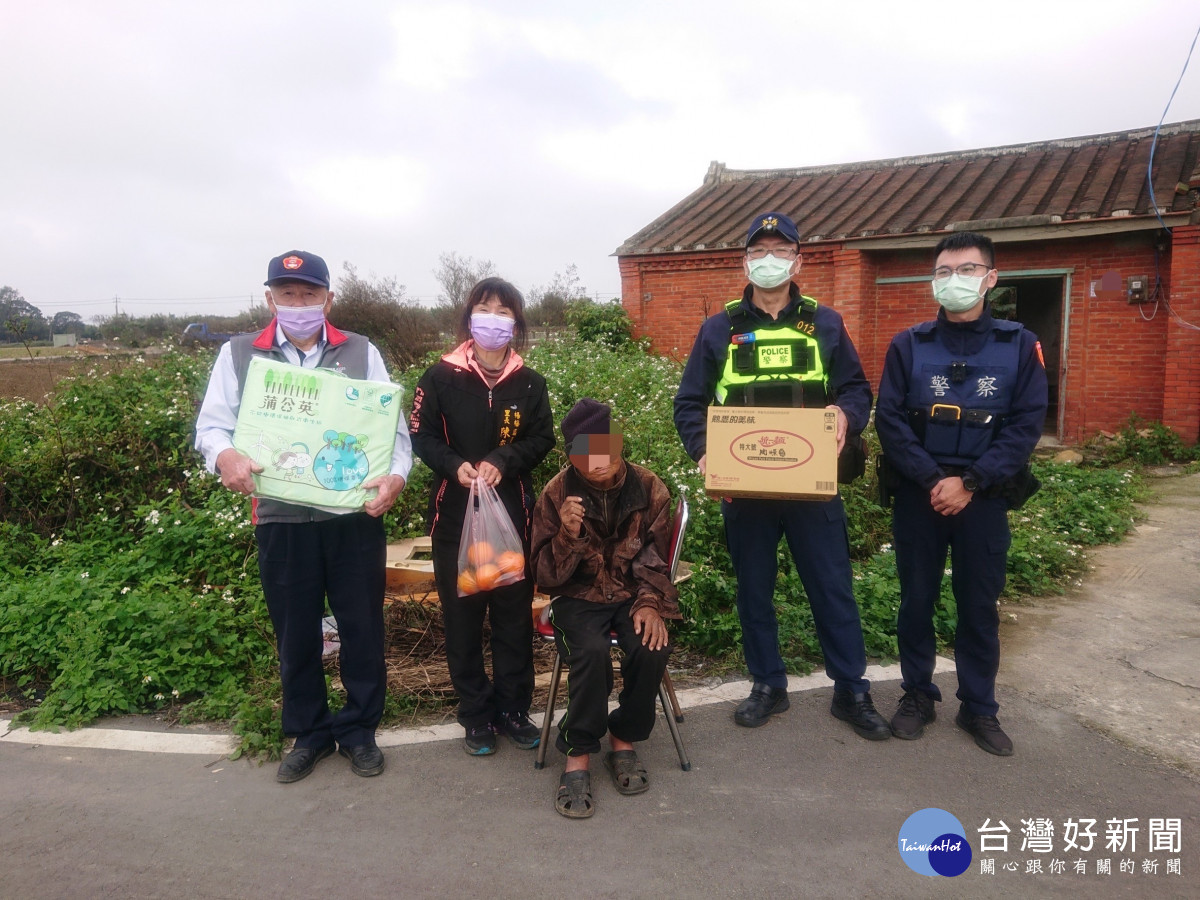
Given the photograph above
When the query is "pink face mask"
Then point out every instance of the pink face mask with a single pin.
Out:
(300, 322)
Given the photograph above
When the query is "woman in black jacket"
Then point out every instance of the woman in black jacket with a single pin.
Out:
(480, 412)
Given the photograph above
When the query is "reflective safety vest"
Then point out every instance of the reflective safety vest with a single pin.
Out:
(957, 406)
(772, 363)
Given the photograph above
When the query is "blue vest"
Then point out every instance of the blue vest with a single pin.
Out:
(956, 405)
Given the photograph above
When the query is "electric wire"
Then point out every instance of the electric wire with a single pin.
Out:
(1160, 291)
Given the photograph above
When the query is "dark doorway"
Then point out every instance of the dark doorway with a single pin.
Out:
(1037, 304)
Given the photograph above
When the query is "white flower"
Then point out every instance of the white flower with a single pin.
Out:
(159, 697)
(147, 679)
(175, 693)
(125, 590)
(83, 575)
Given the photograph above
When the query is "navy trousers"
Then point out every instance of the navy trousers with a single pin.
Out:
(301, 565)
(509, 611)
(583, 635)
(977, 539)
(816, 535)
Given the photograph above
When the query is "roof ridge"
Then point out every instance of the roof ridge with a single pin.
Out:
(719, 173)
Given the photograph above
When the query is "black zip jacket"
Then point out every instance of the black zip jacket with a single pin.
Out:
(456, 418)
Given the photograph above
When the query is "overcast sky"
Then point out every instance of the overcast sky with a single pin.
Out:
(163, 152)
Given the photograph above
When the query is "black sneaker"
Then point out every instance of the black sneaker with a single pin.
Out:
(764, 701)
(859, 711)
(480, 740)
(300, 763)
(987, 732)
(520, 730)
(912, 715)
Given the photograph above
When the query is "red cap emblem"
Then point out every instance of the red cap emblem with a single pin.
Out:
(293, 262)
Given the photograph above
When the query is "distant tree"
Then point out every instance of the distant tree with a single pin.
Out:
(377, 307)
(457, 275)
(20, 320)
(67, 323)
(548, 306)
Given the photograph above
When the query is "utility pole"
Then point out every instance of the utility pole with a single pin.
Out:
(116, 311)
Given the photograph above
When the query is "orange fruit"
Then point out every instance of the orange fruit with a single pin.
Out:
(479, 553)
(467, 583)
(511, 562)
(487, 576)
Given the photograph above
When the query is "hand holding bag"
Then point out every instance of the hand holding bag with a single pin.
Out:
(489, 552)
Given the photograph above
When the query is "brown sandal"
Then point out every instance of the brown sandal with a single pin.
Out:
(574, 798)
(628, 774)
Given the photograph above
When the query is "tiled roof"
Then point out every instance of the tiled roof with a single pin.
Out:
(1045, 183)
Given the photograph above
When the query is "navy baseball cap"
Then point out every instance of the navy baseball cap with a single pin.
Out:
(772, 223)
(296, 265)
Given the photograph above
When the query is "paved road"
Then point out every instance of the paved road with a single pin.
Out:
(800, 807)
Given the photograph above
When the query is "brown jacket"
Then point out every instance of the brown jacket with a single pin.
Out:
(633, 561)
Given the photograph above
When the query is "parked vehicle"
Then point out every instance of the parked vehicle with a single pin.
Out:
(197, 333)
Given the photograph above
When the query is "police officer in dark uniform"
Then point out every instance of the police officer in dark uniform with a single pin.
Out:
(813, 363)
(961, 406)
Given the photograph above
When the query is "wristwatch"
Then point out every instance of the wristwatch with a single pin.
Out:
(969, 482)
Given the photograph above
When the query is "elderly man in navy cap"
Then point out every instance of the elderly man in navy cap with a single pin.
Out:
(307, 554)
(601, 549)
(820, 369)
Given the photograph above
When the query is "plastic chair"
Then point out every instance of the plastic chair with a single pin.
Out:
(666, 689)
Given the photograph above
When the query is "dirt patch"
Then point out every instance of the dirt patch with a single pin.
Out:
(34, 379)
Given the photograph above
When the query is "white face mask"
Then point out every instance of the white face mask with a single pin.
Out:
(958, 293)
(769, 272)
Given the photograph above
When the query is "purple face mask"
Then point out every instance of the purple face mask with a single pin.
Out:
(491, 332)
(300, 322)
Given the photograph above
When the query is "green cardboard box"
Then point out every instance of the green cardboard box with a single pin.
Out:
(317, 434)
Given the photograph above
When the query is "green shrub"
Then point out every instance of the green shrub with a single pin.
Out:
(1147, 444)
(130, 577)
(606, 324)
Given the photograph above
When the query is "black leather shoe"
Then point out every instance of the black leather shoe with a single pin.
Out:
(365, 760)
(912, 715)
(987, 732)
(859, 711)
(764, 701)
(300, 762)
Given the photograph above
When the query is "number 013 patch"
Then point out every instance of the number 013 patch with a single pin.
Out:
(775, 357)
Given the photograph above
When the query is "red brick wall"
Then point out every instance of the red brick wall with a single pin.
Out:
(1119, 358)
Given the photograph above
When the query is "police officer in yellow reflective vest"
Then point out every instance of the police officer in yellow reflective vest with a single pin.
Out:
(776, 347)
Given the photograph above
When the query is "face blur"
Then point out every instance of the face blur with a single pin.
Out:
(297, 293)
(493, 304)
(597, 457)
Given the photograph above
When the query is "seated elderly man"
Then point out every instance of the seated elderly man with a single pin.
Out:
(601, 549)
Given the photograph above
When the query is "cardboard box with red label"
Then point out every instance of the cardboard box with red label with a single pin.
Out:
(771, 453)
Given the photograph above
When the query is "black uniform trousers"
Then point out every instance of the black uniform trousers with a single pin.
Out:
(583, 634)
(509, 611)
(978, 539)
(816, 535)
(302, 564)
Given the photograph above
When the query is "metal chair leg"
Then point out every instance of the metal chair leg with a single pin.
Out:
(539, 761)
(673, 726)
